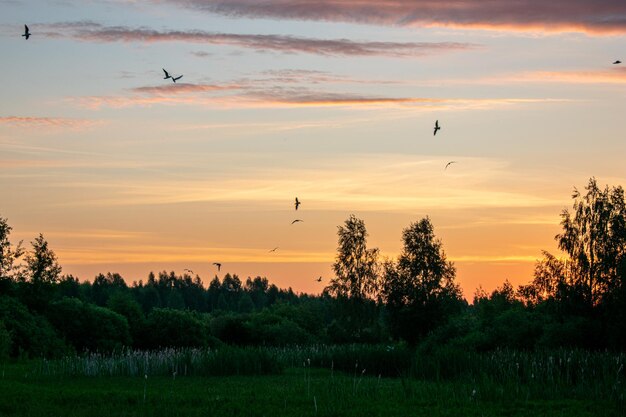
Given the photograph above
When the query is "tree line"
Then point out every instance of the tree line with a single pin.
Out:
(575, 299)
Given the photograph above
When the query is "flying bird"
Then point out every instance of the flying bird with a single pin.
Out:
(219, 265)
(615, 63)
(448, 164)
(189, 270)
(319, 279)
(26, 32)
(297, 203)
(167, 75)
(275, 249)
(296, 221)
(436, 127)
(176, 78)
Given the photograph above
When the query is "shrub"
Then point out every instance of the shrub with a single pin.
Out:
(5, 342)
(89, 327)
(31, 334)
(175, 328)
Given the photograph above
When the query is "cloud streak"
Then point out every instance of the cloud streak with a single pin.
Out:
(237, 95)
(46, 122)
(594, 17)
(94, 32)
(369, 181)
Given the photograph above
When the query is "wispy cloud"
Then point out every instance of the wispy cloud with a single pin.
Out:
(297, 87)
(47, 122)
(94, 32)
(595, 16)
(256, 94)
(608, 76)
(376, 183)
(136, 253)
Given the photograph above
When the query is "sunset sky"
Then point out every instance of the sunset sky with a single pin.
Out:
(332, 101)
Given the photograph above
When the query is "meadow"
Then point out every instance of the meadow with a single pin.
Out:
(319, 380)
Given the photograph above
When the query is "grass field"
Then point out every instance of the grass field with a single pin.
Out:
(301, 391)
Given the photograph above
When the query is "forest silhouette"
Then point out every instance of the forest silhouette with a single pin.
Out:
(576, 299)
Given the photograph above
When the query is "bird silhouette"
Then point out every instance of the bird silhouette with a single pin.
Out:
(275, 249)
(189, 270)
(176, 78)
(26, 32)
(297, 203)
(319, 279)
(296, 221)
(219, 265)
(448, 164)
(615, 63)
(167, 75)
(436, 127)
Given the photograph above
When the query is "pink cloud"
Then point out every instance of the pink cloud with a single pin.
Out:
(93, 32)
(259, 95)
(47, 122)
(591, 16)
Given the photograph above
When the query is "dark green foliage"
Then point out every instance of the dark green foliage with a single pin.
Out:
(68, 286)
(578, 302)
(269, 328)
(5, 342)
(41, 263)
(245, 304)
(355, 268)
(89, 327)
(8, 253)
(125, 305)
(594, 239)
(148, 296)
(105, 286)
(165, 327)
(419, 290)
(232, 329)
(385, 360)
(31, 334)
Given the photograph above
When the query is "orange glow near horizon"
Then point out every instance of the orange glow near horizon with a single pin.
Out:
(332, 102)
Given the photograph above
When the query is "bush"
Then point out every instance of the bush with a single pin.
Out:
(89, 327)
(31, 334)
(175, 328)
(232, 329)
(5, 343)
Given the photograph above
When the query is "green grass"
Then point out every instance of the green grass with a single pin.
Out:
(26, 391)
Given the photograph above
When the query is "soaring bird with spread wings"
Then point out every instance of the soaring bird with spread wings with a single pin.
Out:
(26, 32)
(297, 203)
(219, 265)
(436, 127)
(296, 221)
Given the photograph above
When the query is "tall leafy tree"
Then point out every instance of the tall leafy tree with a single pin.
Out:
(41, 263)
(594, 237)
(420, 289)
(594, 241)
(42, 272)
(8, 253)
(356, 266)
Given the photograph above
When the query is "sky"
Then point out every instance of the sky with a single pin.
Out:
(332, 101)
